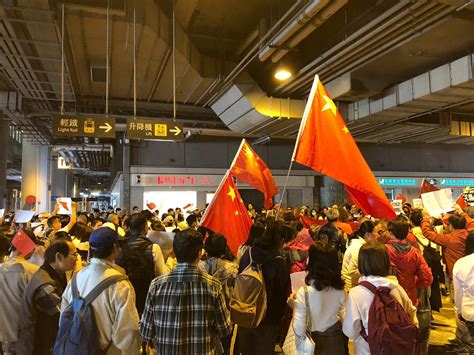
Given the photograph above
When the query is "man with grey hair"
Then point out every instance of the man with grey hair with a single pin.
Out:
(468, 215)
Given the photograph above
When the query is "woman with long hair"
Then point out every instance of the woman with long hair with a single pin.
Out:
(322, 301)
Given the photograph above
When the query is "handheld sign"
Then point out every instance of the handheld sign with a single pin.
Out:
(65, 205)
(438, 202)
(23, 216)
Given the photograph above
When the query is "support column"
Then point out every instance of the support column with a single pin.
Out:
(59, 186)
(4, 128)
(35, 175)
(125, 193)
(332, 192)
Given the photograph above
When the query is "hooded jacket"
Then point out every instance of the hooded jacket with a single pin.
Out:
(410, 267)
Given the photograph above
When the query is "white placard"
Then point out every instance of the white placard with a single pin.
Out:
(438, 202)
(297, 280)
(23, 216)
(397, 206)
(65, 205)
(417, 203)
(2, 212)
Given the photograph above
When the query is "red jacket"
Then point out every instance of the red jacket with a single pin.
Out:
(469, 222)
(411, 268)
(453, 243)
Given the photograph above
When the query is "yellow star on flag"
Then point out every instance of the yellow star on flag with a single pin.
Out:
(345, 129)
(236, 213)
(329, 105)
(231, 193)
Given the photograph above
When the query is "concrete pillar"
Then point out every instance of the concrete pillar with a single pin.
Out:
(200, 199)
(4, 130)
(35, 175)
(331, 192)
(59, 181)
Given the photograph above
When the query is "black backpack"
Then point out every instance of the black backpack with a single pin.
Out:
(137, 260)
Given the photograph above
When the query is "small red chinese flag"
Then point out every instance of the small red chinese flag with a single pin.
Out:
(462, 202)
(249, 168)
(401, 197)
(427, 187)
(308, 221)
(23, 243)
(227, 214)
(325, 144)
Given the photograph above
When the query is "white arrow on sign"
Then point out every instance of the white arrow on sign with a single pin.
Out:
(176, 130)
(107, 128)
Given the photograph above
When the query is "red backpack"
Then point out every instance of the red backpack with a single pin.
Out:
(390, 330)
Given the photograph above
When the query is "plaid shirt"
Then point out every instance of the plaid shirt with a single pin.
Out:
(185, 312)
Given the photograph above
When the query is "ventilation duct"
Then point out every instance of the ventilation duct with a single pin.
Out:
(246, 109)
(447, 85)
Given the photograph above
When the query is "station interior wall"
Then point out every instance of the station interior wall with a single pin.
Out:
(218, 152)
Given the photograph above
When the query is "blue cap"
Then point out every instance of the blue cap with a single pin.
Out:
(103, 236)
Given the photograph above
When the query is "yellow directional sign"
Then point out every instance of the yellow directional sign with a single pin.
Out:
(97, 127)
(154, 130)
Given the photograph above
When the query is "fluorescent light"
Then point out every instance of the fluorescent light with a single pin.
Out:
(282, 74)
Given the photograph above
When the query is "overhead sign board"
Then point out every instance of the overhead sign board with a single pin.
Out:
(397, 182)
(95, 127)
(154, 130)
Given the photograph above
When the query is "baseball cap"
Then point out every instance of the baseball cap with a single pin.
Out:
(103, 236)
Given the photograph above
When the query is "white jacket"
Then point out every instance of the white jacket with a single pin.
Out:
(358, 305)
(115, 311)
(463, 282)
(350, 263)
(326, 309)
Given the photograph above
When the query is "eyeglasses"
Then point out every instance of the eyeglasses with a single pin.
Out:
(75, 255)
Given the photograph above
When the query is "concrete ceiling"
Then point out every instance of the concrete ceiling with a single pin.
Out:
(218, 44)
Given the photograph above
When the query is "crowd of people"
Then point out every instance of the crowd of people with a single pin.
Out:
(147, 282)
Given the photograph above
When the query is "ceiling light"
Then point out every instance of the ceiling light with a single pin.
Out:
(282, 74)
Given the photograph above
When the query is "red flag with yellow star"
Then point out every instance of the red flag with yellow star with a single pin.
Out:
(249, 168)
(227, 215)
(325, 144)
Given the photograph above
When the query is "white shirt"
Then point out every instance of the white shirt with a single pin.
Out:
(116, 315)
(358, 305)
(463, 282)
(326, 308)
(350, 268)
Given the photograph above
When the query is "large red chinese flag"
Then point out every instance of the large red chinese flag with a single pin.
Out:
(427, 187)
(23, 243)
(249, 168)
(227, 214)
(325, 145)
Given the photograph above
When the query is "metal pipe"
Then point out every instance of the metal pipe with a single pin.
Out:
(304, 16)
(352, 40)
(174, 60)
(317, 20)
(62, 60)
(107, 74)
(383, 43)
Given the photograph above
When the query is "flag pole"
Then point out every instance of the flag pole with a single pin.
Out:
(237, 154)
(284, 188)
(300, 131)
